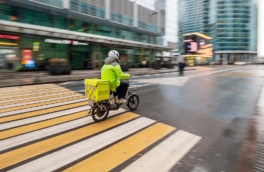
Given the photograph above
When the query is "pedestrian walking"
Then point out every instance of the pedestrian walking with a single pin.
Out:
(181, 67)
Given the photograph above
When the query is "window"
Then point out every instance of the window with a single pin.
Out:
(113, 16)
(56, 20)
(74, 5)
(57, 3)
(102, 13)
(84, 8)
(119, 18)
(93, 10)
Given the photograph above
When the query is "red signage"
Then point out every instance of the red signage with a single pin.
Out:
(9, 37)
(27, 56)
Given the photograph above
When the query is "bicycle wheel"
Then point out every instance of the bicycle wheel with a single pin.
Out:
(133, 102)
(99, 115)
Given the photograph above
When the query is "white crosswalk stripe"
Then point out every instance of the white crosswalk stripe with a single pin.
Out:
(64, 138)
(41, 107)
(21, 139)
(39, 101)
(165, 155)
(74, 152)
(42, 117)
(138, 85)
(174, 81)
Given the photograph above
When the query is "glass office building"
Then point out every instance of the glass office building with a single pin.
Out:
(193, 17)
(81, 31)
(232, 25)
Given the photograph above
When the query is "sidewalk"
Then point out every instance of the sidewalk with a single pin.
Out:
(26, 78)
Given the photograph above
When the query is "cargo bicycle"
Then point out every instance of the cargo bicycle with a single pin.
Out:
(102, 100)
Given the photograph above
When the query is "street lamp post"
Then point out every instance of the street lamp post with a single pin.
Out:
(151, 51)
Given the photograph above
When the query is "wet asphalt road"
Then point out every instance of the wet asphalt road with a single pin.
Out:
(213, 103)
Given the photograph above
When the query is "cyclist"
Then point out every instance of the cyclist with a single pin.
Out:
(112, 72)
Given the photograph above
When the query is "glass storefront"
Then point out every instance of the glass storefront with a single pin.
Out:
(18, 53)
(8, 51)
(8, 58)
(235, 57)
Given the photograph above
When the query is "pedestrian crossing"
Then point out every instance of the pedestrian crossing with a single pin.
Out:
(47, 129)
(172, 81)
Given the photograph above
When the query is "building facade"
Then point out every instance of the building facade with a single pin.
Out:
(80, 31)
(232, 25)
(261, 30)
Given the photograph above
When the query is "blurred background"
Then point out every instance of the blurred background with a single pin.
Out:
(181, 55)
(38, 33)
(78, 34)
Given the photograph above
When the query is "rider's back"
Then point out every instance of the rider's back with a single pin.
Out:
(112, 72)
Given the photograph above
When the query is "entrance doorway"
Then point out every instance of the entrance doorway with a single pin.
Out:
(8, 58)
(80, 60)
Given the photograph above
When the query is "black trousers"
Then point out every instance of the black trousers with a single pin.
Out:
(181, 69)
(121, 90)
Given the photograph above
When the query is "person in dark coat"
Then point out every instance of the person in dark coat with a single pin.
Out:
(181, 67)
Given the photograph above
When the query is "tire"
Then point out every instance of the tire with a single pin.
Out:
(133, 102)
(101, 116)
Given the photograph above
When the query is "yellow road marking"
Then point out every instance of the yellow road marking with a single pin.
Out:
(32, 91)
(41, 112)
(27, 86)
(24, 153)
(30, 88)
(38, 99)
(113, 156)
(39, 104)
(40, 125)
(21, 95)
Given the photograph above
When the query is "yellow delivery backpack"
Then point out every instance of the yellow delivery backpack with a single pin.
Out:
(97, 89)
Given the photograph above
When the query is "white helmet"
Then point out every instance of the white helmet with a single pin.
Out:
(113, 53)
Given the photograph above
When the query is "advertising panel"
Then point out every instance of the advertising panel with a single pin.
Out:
(197, 44)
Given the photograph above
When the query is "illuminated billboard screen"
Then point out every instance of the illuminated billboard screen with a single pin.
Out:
(197, 44)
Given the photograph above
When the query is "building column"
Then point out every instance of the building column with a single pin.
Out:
(107, 9)
(135, 14)
(66, 4)
(158, 16)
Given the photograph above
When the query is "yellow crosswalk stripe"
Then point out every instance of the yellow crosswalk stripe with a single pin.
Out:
(67, 133)
(31, 90)
(113, 156)
(35, 94)
(38, 99)
(8, 89)
(41, 112)
(39, 104)
(18, 155)
(40, 125)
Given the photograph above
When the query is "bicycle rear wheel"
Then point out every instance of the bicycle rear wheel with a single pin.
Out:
(99, 115)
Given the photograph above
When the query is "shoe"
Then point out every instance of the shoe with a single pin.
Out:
(120, 101)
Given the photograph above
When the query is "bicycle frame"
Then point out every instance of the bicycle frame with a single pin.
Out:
(129, 93)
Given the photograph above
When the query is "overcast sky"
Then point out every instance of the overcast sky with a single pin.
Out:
(171, 21)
